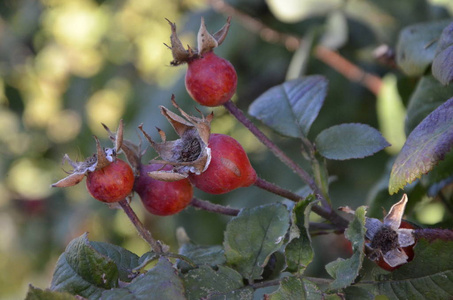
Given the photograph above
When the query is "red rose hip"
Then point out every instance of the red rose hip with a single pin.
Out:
(229, 168)
(162, 198)
(112, 183)
(211, 80)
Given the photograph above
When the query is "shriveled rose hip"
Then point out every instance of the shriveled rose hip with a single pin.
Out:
(162, 198)
(409, 250)
(211, 80)
(229, 169)
(112, 183)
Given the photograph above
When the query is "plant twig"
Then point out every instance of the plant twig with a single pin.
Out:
(331, 58)
(432, 234)
(212, 207)
(321, 211)
(142, 231)
(239, 115)
(275, 189)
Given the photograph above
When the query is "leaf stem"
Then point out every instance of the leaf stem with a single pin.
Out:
(142, 231)
(215, 208)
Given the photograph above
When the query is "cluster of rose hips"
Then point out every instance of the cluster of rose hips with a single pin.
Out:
(214, 163)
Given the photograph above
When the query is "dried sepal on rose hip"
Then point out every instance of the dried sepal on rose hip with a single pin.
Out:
(210, 80)
(108, 179)
(390, 242)
(190, 153)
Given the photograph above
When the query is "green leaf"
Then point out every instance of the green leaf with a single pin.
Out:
(391, 114)
(299, 252)
(124, 259)
(428, 95)
(204, 282)
(345, 271)
(427, 144)
(336, 32)
(296, 288)
(82, 270)
(161, 282)
(416, 46)
(295, 11)
(245, 293)
(201, 255)
(443, 61)
(290, 108)
(428, 276)
(252, 236)
(439, 177)
(38, 294)
(348, 141)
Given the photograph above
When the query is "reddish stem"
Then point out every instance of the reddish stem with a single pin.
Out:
(142, 231)
(321, 211)
(212, 207)
(432, 234)
(239, 115)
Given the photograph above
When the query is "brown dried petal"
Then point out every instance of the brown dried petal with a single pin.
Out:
(405, 237)
(179, 124)
(103, 159)
(70, 180)
(395, 257)
(167, 175)
(222, 33)
(393, 218)
(180, 54)
(206, 42)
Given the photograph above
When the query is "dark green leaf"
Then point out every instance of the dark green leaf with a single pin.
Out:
(299, 252)
(443, 61)
(296, 288)
(345, 271)
(291, 108)
(245, 293)
(416, 46)
(204, 281)
(348, 141)
(81, 270)
(124, 259)
(428, 276)
(440, 177)
(428, 95)
(201, 255)
(161, 282)
(38, 294)
(427, 144)
(252, 236)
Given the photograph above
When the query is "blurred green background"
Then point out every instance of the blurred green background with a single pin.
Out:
(68, 65)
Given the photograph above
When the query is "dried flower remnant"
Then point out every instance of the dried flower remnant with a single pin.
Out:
(102, 158)
(206, 42)
(387, 239)
(190, 153)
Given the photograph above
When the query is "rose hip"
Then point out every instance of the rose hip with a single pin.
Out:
(162, 198)
(112, 183)
(211, 80)
(229, 169)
